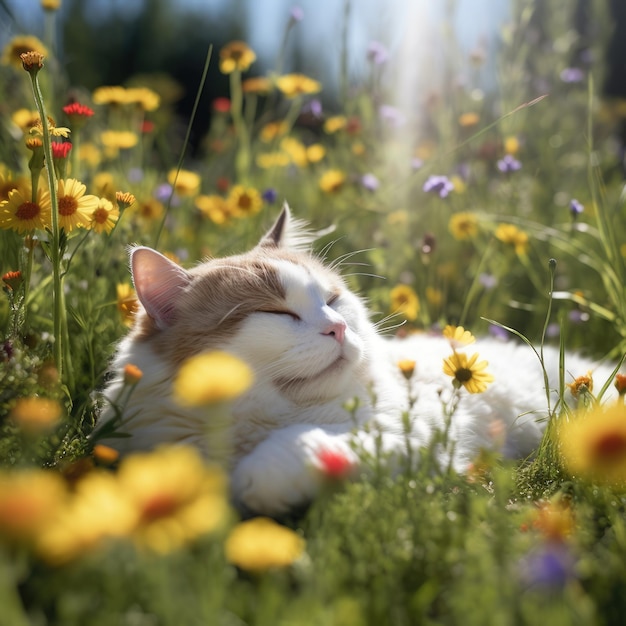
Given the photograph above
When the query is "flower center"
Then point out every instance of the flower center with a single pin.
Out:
(463, 375)
(67, 205)
(161, 505)
(245, 202)
(610, 447)
(100, 215)
(27, 211)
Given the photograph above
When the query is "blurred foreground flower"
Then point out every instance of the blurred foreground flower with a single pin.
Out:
(127, 303)
(210, 378)
(336, 464)
(467, 372)
(261, 544)
(292, 85)
(458, 336)
(593, 444)
(463, 226)
(236, 55)
(441, 185)
(36, 415)
(512, 235)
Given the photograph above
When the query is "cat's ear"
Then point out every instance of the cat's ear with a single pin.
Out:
(287, 232)
(158, 283)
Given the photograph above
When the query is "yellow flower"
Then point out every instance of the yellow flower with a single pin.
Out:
(315, 153)
(178, 498)
(261, 544)
(127, 303)
(243, 201)
(582, 384)
(75, 208)
(29, 500)
(36, 415)
(124, 199)
(214, 207)
(53, 129)
(296, 151)
(511, 145)
(273, 130)
(98, 511)
(143, 97)
(50, 5)
(407, 368)
(20, 45)
(104, 216)
(258, 84)
(114, 140)
(593, 444)
(236, 55)
(90, 154)
(468, 119)
(467, 372)
(332, 181)
(8, 184)
(458, 336)
(463, 226)
(20, 214)
(185, 182)
(149, 209)
(512, 235)
(25, 119)
(292, 85)
(404, 300)
(555, 520)
(268, 160)
(335, 123)
(115, 95)
(104, 184)
(211, 377)
(434, 296)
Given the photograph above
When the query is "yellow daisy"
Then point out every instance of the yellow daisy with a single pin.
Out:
(114, 140)
(214, 207)
(104, 216)
(261, 544)
(114, 95)
(243, 201)
(404, 300)
(8, 184)
(20, 45)
(463, 226)
(466, 372)
(292, 85)
(512, 235)
(185, 182)
(20, 214)
(75, 208)
(236, 55)
(143, 97)
(332, 181)
(593, 444)
(458, 336)
(127, 303)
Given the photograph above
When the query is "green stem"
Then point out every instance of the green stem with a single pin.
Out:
(242, 160)
(55, 251)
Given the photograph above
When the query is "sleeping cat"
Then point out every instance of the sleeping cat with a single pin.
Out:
(313, 351)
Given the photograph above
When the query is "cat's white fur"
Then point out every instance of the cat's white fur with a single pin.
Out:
(320, 337)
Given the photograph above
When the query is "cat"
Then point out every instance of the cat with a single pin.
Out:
(314, 353)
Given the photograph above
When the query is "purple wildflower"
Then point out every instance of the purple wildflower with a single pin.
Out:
(270, 195)
(572, 75)
(165, 193)
(575, 208)
(488, 281)
(314, 107)
(550, 567)
(438, 184)
(296, 14)
(370, 182)
(377, 53)
(497, 332)
(508, 163)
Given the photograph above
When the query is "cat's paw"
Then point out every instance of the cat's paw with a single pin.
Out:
(286, 470)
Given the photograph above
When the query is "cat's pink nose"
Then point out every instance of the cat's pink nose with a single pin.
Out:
(336, 330)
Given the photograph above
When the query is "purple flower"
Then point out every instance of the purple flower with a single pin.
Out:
(314, 107)
(391, 115)
(165, 193)
(270, 195)
(488, 281)
(497, 332)
(551, 567)
(438, 184)
(370, 182)
(296, 14)
(377, 53)
(508, 163)
(572, 75)
(575, 208)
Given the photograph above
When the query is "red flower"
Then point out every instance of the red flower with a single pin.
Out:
(335, 464)
(221, 105)
(147, 126)
(60, 149)
(74, 109)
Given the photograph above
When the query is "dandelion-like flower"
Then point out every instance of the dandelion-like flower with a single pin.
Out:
(593, 444)
(513, 236)
(185, 182)
(75, 207)
(458, 336)
(210, 378)
(236, 55)
(332, 181)
(261, 544)
(19, 213)
(244, 201)
(292, 85)
(463, 226)
(467, 372)
(441, 185)
(404, 300)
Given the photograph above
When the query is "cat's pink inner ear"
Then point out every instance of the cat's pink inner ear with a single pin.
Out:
(159, 283)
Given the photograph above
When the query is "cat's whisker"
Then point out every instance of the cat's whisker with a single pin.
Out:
(229, 313)
(365, 274)
(341, 260)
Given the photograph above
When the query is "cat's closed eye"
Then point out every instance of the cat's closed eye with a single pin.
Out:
(291, 314)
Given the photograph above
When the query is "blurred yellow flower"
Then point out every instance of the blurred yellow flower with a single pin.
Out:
(75, 207)
(463, 226)
(177, 496)
(315, 152)
(296, 151)
(272, 130)
(407, 367)
(458, 183)
(21, 44)
(8, 183)
(258, 84)
(244, 201)
(466, 372)
(268, 160)
(104, 217)
(458, 336)
(593, 444)
(261, 544)
(20, 214)
(50, 5)
(143, 97)
(127, 303)
(512, 235)
(332, 181)
(214, 207)
(236, 55)
(114, 95)
(25, 119)
(35, 415)
(211, 377)
(469, 119)
(511, 145)
(114, 140)
(148, 209)
(292, 85)
(554, 520)
(104, 184)
(90, 154)
(335, 123)
(29, 500)
(185, 182)
(434, 296)
(404, 300)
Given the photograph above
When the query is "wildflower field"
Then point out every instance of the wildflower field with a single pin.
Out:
(492, 205)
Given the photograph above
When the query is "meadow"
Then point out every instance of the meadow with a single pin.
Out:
(497, 209)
